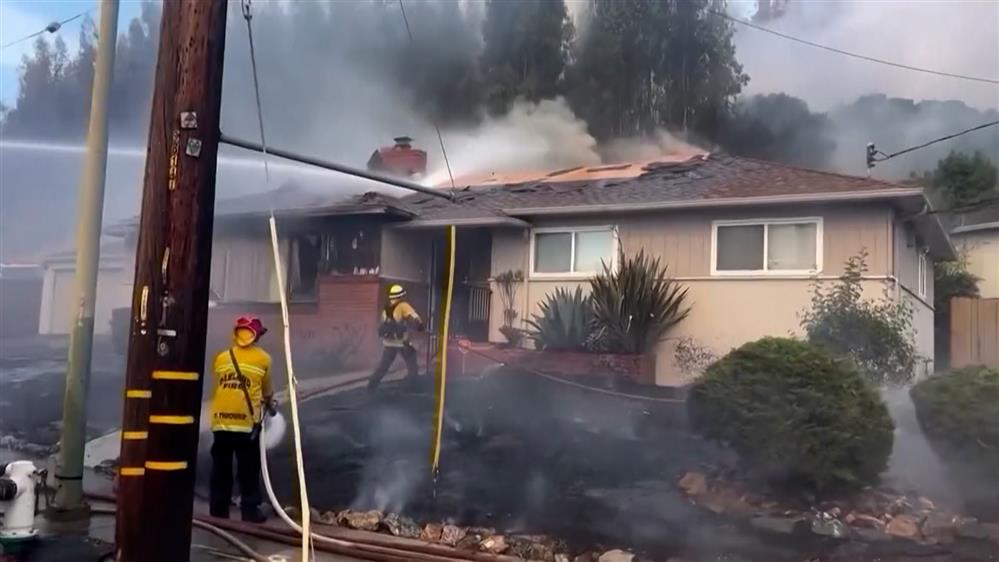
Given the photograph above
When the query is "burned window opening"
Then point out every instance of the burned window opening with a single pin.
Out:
(329, 250)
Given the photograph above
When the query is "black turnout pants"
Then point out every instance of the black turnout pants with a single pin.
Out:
(389, 353)
(246, 448)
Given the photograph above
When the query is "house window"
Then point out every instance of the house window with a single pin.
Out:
(572, 251)
(921, 272)
(769, 246)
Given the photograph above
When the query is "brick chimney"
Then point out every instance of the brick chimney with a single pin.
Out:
(401, 159)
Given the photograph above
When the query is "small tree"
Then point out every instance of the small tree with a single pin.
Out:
(876, 334)
(509, 282)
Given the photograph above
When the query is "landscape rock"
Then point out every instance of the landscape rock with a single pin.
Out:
(324, 517)
(828, 526)
(562, 557)
(693, 483)
(360, 520)
(903, 526)
(496, 544)
(899, 506)
(586, 557)
(432, 532)
(866, 522)
(531, 547)
(782, 525)
(616, 556)
(971, 528)
(726, 502)
(871, 535)
(451, 534)
(468, 542)
(926, 503)
(401, 526)
(939, 527)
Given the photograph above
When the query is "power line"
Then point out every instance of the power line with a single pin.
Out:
(851, 54)
(874, 155)
(440, 138)
(50, 28)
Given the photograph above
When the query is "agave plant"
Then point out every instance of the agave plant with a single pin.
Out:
(564, 322)
(636, 304)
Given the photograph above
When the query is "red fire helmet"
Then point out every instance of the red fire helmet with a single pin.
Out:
(251, 323)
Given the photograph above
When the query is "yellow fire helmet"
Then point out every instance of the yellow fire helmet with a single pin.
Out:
(396, 292)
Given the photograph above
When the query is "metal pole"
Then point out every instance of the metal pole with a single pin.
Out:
(69, 470)
(334, 167)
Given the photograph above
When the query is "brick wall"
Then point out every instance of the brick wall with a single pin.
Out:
(338, 332)
(636, 369)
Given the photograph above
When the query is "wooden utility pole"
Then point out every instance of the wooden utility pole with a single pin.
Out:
(166, 351)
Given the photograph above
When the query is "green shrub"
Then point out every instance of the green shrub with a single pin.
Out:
(795, 415)
(636, 304)
(565, 322)
(959, 413)
(875, 334)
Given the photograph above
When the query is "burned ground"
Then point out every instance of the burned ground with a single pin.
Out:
(526, 455)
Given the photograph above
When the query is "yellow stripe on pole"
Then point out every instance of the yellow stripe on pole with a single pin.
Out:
(131, 471)
(166, 465)
(440, 378)
(134, 435)
(176, 375)
(138, 394)
(172, 420)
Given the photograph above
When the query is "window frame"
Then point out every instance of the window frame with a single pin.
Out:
(922, 283)
(765, 223)
(573, 230)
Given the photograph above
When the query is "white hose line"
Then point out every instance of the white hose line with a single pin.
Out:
(281, 513)
(303, 494)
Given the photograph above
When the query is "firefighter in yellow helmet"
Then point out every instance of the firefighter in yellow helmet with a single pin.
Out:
(240, 396)
(398, 318)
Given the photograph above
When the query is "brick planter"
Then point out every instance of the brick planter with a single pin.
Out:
(635, 369)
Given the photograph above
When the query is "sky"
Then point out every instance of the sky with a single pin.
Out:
(19, 18)
(956, 36)
(960, 36)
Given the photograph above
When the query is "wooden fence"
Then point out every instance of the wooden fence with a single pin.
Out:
(974, 332)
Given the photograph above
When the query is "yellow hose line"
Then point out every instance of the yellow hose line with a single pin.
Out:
(440, 378)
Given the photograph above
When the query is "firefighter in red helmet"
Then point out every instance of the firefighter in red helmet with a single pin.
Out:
(241, 394)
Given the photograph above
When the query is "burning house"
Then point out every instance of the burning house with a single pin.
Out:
(749, 238)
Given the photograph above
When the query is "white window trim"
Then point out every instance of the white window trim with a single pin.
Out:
(715, 272)
(922, 282)
(615, 244)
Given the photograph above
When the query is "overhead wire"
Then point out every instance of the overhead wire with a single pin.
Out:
(860, 56)
(450, 243)
(440, 138)
(879, 156)
(308, 548)
(50, 28)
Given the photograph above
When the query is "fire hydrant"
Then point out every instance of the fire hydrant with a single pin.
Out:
(18, 482)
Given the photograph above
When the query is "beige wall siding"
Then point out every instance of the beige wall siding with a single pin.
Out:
(907, 248)
(727, 311)
(683, 239)
(406, 254)
(981, 250)
(243, 267)
(922, 325)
